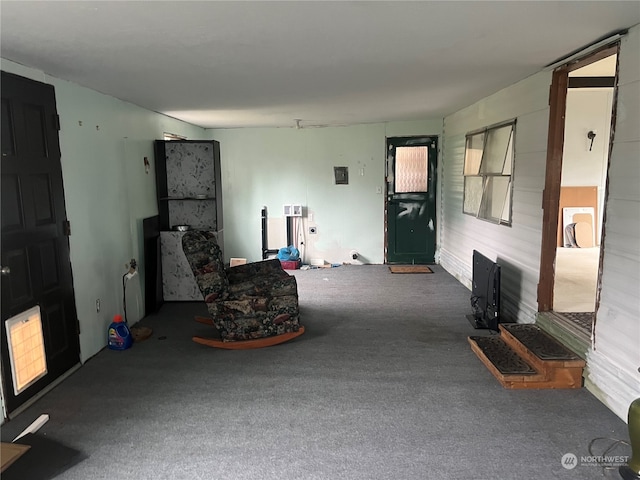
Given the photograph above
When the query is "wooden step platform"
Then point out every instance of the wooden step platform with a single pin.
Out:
(524, 356)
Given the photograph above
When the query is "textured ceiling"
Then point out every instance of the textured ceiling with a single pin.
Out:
(240, 64)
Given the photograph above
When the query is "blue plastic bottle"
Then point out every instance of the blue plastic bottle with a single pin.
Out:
(119, 336)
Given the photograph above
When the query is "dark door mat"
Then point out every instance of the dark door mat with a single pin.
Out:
(12, 452)
(45, 459)
(503, 357)
(410, 269)
(539, 342)
(582, 319)
(140, 334)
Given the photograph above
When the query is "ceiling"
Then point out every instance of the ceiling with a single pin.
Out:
(269, 64)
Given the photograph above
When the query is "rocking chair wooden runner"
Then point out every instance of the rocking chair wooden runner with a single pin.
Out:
(252, 306)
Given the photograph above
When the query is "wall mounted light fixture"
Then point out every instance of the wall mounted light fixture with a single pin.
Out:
(591, 135)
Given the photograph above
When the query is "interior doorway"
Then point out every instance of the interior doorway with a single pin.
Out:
(580, 137)
(585, 160)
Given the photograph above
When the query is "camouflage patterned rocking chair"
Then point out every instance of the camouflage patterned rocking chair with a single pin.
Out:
(253, 305)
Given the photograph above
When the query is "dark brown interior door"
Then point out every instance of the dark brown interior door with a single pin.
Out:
(36, 269)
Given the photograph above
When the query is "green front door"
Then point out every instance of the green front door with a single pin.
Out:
(411, 199)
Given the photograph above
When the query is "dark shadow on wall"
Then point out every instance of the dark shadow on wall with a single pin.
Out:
(510, 290)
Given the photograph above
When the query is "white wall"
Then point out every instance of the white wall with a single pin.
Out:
(517, 247)
(614, 361)
(107, 194)
(275, 166)
(588, 109)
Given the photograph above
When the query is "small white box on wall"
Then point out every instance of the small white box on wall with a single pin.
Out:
(292, 210)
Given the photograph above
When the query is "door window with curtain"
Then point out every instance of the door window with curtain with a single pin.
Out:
(411, 172)
(488, 165)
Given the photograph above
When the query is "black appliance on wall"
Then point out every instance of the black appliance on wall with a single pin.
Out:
(485, 293)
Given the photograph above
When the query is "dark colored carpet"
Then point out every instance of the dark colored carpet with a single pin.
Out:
(383, 385)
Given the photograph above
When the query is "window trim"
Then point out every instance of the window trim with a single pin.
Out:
(484, 176)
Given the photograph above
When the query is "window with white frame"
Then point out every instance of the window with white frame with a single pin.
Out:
(488, 164)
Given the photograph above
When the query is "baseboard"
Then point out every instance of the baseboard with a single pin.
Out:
(43, 392)
(461, 271)
(611, 384)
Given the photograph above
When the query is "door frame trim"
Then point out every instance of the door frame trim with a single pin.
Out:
(385, 190)
(553, 173)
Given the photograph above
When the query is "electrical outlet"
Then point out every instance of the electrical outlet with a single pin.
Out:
(313, 230)
(97, 305)
(132, 265)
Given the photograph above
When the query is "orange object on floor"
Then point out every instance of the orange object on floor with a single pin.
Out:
(249, 344)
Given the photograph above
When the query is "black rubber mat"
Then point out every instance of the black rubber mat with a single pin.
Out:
(503, 357)
(46, 459)
(539, 342)
(583, 320)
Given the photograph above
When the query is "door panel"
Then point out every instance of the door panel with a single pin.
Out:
(410, 203)
(19, 282)
(57, 335)
(409, 230)
(42, 200)
(12, 216)
(34, 245)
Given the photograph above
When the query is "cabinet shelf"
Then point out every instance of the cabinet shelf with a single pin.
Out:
(188, 193)
(187, 183)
